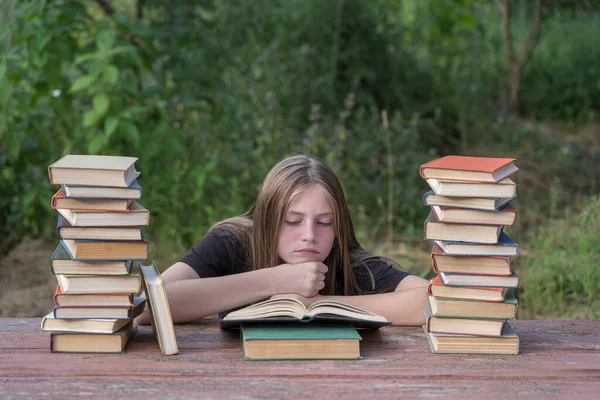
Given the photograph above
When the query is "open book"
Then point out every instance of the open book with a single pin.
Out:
(290, 310)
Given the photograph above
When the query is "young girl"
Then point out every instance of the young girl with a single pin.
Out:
(297, 240)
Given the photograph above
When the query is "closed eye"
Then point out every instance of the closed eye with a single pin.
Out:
(324, 223)
(292, 222)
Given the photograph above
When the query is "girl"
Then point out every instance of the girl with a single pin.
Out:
(297, 240)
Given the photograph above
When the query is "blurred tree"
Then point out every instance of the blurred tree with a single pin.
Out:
(515, 63)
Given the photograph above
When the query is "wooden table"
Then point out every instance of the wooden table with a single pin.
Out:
(557, 359)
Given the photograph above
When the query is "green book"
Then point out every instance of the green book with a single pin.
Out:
(300, 342)
(466, 308)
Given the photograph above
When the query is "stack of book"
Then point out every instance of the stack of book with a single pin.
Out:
(100, 235)
(472, 296)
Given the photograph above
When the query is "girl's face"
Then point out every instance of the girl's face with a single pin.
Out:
(308, 231)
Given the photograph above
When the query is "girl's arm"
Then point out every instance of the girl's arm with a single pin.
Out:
(192, 298)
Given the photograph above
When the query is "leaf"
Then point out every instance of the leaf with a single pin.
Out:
(110, 125)
(82, 82)
(96, 144)
(106, 38)
(101, 104)
(132, 132)
(86, 57)
(90, 118)
(111, 75)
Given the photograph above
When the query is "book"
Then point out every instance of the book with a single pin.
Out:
(304, 342)
(471, 203)
(89, 250)
(61, 263)
(86, 300)
(99, 284)
(59, 201)
(452, 279)
(65, 230)
(438, 289)
(505, 247)
(133, 192)
(503, 189)
(485, 265)
(443, 343)
(462, 308)
(137, 215)
(158, 306)
(290, 310)
(96, 312)
(97, 325)
(467, 168)
(434, 230)
(84, 342)
(464, 326)
(506, 216)
(93, 170)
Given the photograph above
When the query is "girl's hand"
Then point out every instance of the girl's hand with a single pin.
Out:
(304, 279)
(307, 301)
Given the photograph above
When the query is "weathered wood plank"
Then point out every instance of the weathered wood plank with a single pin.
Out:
(558, 359)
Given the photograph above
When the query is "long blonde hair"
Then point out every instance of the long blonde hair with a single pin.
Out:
(258, 229)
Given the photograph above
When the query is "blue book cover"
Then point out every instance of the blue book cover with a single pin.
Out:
(134, 192)
(505, 247)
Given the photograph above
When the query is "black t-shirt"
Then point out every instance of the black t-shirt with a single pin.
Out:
(220, 254)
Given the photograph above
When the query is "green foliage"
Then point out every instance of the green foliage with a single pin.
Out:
(209, 95)
(560, 267)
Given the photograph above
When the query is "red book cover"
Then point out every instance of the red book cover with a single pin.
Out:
(467, 168)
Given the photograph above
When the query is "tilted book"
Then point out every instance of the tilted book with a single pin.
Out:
(300, 342)
(466, 168)
(158, 306)
(438, 289)
(452, 279)
(293, 311)
(59, 201)
(450, 215)
(65, 230)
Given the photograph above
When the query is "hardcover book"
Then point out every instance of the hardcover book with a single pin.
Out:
(300, 342)
(434, 230)
(97, 312)
(452, 279)
(93, 170)
(136, 216)
(86, 300)
(438, 289)
(503, 189)
(99, 284)
(64, 230)
(505, 247)
(471, 203)
(98, 325)
(483, 265)
(91, 250)
(505, 217)
(462, 308)
(158, 306)
(61, 263)
(84, 342)
(133, 192)
(59, 201)
(464, 326)
(293, 311)
(444, 343)
(466, 168)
